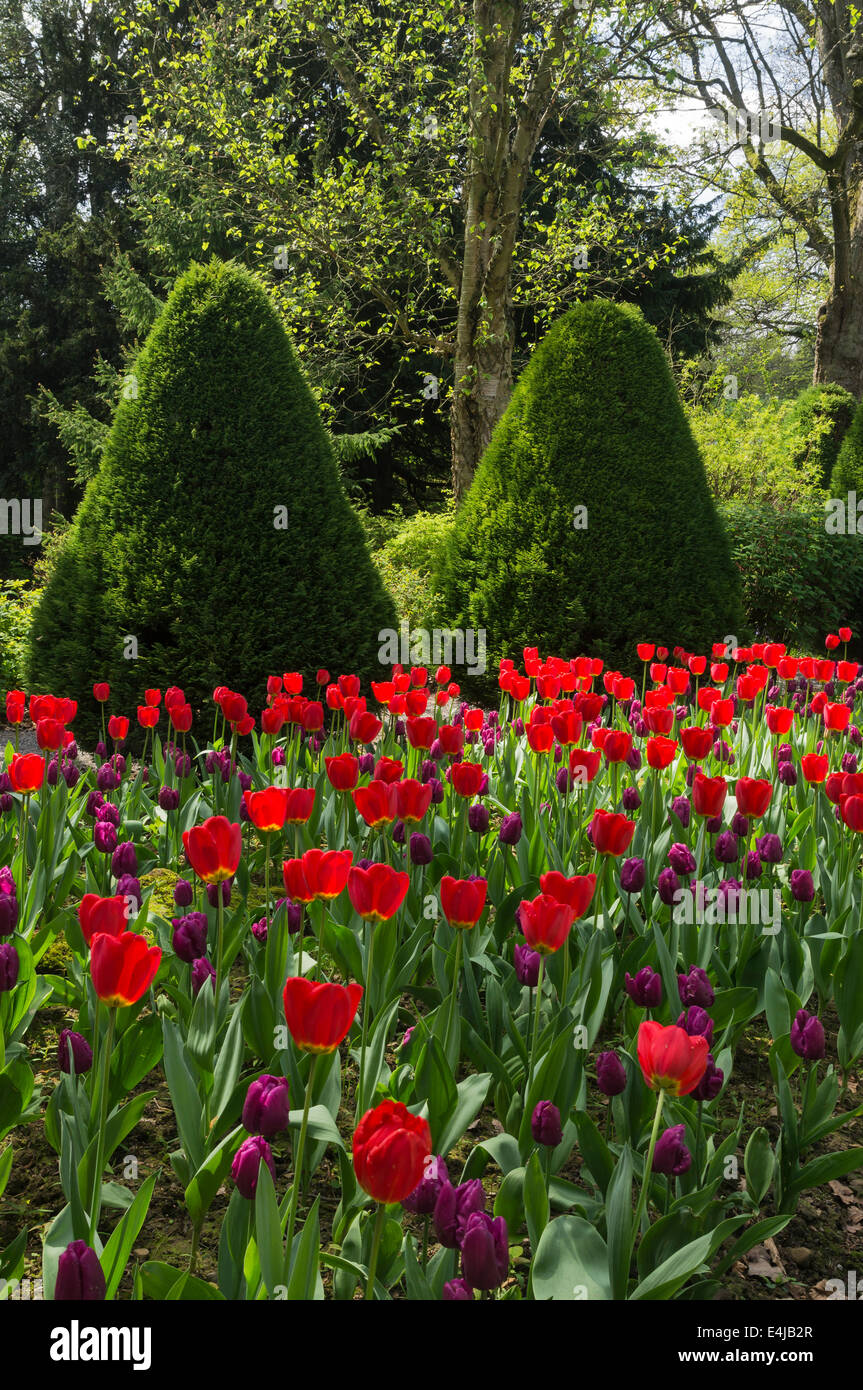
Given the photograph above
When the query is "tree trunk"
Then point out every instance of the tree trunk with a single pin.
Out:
(839, 339)
(482, 387)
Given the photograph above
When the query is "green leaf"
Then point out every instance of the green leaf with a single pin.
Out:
(758, 1164)
(618, 1220)
(535, 1200)
(571, 1262)
(116, 1253)
(305, 1259)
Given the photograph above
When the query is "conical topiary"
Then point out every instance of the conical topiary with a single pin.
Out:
(847, 473)
(589, 525)
(821, 417)
(216, 545)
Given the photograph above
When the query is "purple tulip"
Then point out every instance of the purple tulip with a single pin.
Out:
(545, 1125)
(453, 1207)
(802, 887)
(82, 1053)
(671, 1155)
(80, 1277)
(202, 970)
(644, 988)
(511, 829)
(695, 988)
(485, 1251)
(632, 876)
(9, 966)
(710, 1084)
(124, 860)
(457, 1291)
(420, 848)
(105, 837)
(247, 1164)
(267, 1106)
(423, 1200)
(696, 1023)
(526, 966)
(681, 859)
(807, 1036)
(610, 1074)
(189, 938)
(183, 895)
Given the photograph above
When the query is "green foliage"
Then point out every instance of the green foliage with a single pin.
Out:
(176, 542)
(749, 447)
(822, 415)
(18, 599)
(797, 581)
(848, 471)
(595, 422)
(407, 552)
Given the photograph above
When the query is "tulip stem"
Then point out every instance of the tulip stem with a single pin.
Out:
(267, 881)
(376, 1245)
(361, 1088)
(648, 1165)
(221, 940)
(535, 1039)
(454, 996)
(298, 1159)
(96, 1202)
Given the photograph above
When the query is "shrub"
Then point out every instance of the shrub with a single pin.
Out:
(798, 582)
(407, 556)
(821, 415)
(595, 422)
(749, 448)
(176, 542)
(848, 470)
(18, 599)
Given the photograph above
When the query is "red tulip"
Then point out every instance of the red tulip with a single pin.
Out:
(299, 806)
(319, 1015)
(26, 772)
(312, 716)
(779, 718)
(378, 891)
(611, 832)
(462, 900)
(583, 764)
(391, 1147)
(318, 874)
(467, 778)
(696, 741)
(118, 727)
(646, 651)
(576, 892)
(831, 641)
(181, 718)
(267, 808)
(122, 967)
(670, 1059)
(753, 796)
(343, 771)
(540, 737)
(836, 717)
(364, 727)
(49, 734)
(101, 692)
(567, 727)
(388, 769)
(708, 795)
(107, 915)
(546, 922)
(175, 696)
(421, 731)
(660, 752)
(659, 720)
(413, 799)
(721, 713)
(214, 848)
(851, 808)
(376, 803)
(815, 767)
(15, 705)
(617, 745)
(234, 706)
(148, 716)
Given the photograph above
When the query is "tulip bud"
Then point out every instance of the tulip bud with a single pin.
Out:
(183, 895)
(168, 798)
(610, 1073)
(526, 966)
(726, 850)
(453, 1207)
(82, 1053)
(695, 988)
(423, 1200)
(545, 1125)
(807, 1036)
(420, 848)
(457, 1291)
(8, 914)
(128, 886)
(247, 1163)
(710, 1084)
(189, 938)
(105, 837)
(485, 1251)
(511, 829)
(631, 800)
(682, 808)
(9, 966)
(644, 988)
(106, 778)
(202, 970)
(668, 883)
(478, 818)
(124, 860)
(214, 889)
(671, 1155)
(267, 1106)
(632, 876)
(696, 1022)
(802, 887)
(681, 859)
(80, 1277)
